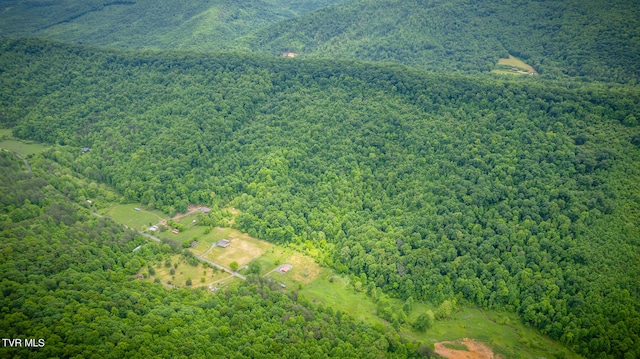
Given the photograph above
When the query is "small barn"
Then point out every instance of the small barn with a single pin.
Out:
(223, 243)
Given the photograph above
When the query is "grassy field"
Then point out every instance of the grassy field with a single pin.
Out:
(140, 220)
(501, 331)
(504, 66)
(242, 250)
(340, 296)
(7, 141)
(185, 271)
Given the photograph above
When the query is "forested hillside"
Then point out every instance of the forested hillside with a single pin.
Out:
(576, 38)
(510, 193)
(67, 279)
(195, 25)
(559, 38)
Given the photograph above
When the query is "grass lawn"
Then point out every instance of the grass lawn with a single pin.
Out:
(7, 141)
(140, 220)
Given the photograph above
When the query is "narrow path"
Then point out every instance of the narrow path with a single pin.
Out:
(23, 160)
(20, 157)
(153, 238)
(209, 250)
(219, 280)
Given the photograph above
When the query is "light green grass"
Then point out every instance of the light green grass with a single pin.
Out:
(340, 296)
(8, 142)
(504, 66)
(139, 220)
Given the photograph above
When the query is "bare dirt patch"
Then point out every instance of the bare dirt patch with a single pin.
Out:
(475, 350)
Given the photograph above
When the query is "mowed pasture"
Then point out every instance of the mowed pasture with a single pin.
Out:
(139, 220)
(8, 142)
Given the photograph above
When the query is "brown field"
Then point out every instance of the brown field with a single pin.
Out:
(243, 249)
(475, 350)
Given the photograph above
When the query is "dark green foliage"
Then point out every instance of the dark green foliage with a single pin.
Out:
(518, 194)
(424, 321)
(254, 268)
(71, 285)
(233, 266)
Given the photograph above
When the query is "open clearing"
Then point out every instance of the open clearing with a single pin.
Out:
(242, 250)
(8, 142)
(500, 330)
(513, 65)
(140, 220)
(185, 271)
(339, 295)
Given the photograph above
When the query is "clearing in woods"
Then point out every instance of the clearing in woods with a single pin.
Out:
(137, 219)
(242, 250)
(513, 65)
(7, 141)
(182, 271)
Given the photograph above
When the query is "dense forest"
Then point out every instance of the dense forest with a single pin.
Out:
(202, 25)
(559, 38)
(511, 193)
(67, 278)
(588, 39)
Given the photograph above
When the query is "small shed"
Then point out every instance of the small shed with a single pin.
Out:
(284, 269)
(223, 243)
(175, 231)
(86, 149)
